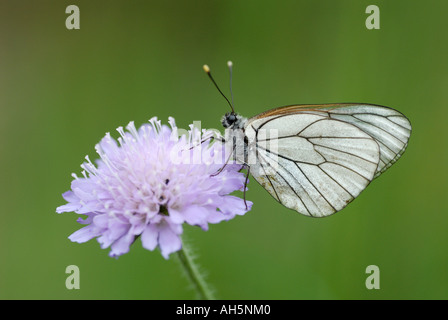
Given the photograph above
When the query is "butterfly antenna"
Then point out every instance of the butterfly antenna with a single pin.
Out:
(207, 70)
(230, 65)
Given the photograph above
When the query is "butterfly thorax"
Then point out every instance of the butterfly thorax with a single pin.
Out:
(235, 137)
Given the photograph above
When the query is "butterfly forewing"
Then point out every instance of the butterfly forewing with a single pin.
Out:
(322, 156)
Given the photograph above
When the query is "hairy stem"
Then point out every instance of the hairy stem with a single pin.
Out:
(193, 274)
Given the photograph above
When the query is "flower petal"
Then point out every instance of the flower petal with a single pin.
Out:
(232, 205)
(70, 196)
(176, 216)
(114, 231)
(122, 245)
(169, 241)
(149, 237)
(84, 189)
(101, 220)
(84, 234)
(69, 207)
(72, 205)
(195, 215)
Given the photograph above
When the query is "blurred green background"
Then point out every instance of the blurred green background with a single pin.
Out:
(61, 90)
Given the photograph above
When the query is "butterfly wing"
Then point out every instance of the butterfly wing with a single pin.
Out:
(316, 159)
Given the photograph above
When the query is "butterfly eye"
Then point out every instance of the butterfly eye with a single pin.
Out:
(229, 119)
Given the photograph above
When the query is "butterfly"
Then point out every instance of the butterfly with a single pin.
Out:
(315, 159)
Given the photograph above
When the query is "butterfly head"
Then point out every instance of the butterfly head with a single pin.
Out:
(233, 121)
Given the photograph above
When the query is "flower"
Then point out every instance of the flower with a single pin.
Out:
(150, 183)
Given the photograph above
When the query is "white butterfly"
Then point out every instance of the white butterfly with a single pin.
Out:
(315, 159)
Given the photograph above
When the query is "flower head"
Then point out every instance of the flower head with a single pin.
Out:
(150, 183)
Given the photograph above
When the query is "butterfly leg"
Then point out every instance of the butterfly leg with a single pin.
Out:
(202, 141)
(222, 168)
(245, 185)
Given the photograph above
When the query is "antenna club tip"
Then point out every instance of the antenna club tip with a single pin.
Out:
(206, 68)
(229, 64)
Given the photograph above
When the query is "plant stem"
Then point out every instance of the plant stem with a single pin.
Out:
(193, 273)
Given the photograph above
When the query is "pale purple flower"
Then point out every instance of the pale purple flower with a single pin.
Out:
(149, 184)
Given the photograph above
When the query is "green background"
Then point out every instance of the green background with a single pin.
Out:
(62, 90)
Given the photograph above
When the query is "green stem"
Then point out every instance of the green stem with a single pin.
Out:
(193, 274)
